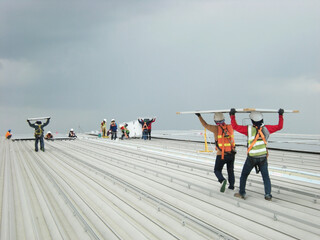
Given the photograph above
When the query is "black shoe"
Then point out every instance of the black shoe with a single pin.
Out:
(36, 150)
(268, 197)
(232, 188)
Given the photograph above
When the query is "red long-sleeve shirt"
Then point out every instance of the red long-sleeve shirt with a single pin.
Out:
(244, 129)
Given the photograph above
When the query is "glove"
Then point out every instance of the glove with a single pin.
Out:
(281, 111)
(198, 114)
(232, 112)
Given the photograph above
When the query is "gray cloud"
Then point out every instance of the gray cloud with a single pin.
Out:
(82, 61)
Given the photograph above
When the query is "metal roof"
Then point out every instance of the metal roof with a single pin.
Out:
(94, 188)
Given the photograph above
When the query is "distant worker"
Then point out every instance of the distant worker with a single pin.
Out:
(145, 131)
(113, 129)
(257, 152)
(38, 133)
(104, 128)
(125, 131)
(8, 134)
(225, 146)
(149, 126)
(72, 133)
(48, 135)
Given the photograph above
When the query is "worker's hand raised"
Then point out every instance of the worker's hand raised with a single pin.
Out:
(232, 112)
(198, 114)
(281, 111)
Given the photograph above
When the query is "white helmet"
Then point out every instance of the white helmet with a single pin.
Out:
(256, 116)
(71, 129)
(218, 116)
(104, 120)
(48, 132)
(112, 120)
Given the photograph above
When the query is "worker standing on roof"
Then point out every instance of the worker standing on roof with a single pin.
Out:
(225, 146)
(113, 129)
(38, 133)
(257, 152)
(104, 127)
(8, 134)
(149, 126)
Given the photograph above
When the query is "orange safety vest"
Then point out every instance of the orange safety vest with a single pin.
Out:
(226, 142)
(8, 134)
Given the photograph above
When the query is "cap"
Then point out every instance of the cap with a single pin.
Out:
(256, 116)
(218, 116)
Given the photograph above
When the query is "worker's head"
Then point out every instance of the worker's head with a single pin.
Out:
(256, 118)
(38, 122)
(104, 120)
(9, 130)
(71, 130)
(113, 121)
(48, 132)
(219, 118)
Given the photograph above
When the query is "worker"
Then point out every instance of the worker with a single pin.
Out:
(149, 126)
(225, 146)
(8, 134)
(113, 129)
(48, 135)
(104, 128)
(257, 152)
(72, 133)
(38, 133)
(145, 130)
(125, 131)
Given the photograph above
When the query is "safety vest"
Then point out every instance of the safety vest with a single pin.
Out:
(226, 142)
(257, 144)
(145, 126)
(38, 131)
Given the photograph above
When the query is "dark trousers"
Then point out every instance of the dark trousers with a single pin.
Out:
(149, 134)
(113, 135)
(248, 166)
(229, 160)
(41, 143)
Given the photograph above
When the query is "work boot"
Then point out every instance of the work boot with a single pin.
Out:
(231, 188)
(36, 150)
(223, 186)
(268, 197)
(238, 195)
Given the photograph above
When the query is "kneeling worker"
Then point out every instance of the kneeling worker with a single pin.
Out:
(225, 146)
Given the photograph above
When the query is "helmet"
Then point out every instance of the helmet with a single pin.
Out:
(112, 120)
(218, 116)
(48, 132)
(9, 130)
(256, 116)
(104, 120)
(71, 129)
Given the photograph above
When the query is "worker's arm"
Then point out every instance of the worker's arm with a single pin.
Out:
(206, 125)
(31, 124)
(46, 123)
(239, 128)
(274, 128)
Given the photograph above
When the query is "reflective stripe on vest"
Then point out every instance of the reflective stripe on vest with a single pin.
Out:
(260, 147)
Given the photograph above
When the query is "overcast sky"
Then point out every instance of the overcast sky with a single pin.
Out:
(81, 61)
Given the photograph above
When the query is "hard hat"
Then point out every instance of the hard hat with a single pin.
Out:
(256, 116)
(218, 116)
(48, 132)
(104, 120)
(112, 120)
(71, 129)
(9, 130)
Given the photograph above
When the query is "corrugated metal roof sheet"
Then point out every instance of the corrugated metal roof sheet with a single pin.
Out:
(94, 188)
